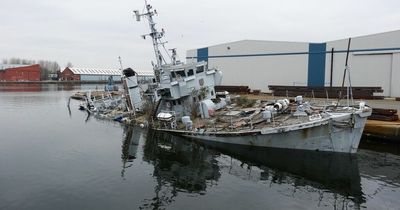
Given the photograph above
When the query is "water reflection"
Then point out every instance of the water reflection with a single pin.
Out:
(32, 87)
(21, 87)
(379, 145)
(382, 167)
(179, 166)
(182, 166)
(319, 173)
(130, 144)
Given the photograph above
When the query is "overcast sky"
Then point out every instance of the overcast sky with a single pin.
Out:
(93, 33)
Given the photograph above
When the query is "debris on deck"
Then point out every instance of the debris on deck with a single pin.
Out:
(96, 94)
(111, 105)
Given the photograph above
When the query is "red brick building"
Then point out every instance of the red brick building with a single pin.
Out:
(68, 74)
(20, 73)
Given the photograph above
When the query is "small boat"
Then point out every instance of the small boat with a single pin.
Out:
(187, 105)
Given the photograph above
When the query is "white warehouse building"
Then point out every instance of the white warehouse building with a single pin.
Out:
(374, 60)
(99, 74)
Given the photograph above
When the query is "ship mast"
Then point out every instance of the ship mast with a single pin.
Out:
(155, 36)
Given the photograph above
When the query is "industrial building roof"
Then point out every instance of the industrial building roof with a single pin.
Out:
(95, 71)
(145, 73)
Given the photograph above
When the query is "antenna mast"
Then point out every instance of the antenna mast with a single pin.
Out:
(347, 71)
(120, 62)
(155, 36)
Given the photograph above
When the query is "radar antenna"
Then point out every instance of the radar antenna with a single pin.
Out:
(155, 36)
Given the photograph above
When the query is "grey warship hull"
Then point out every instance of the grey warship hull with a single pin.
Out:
(341, 132)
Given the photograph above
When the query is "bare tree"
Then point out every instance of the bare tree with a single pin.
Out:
(69, 65)
(18, 61)
(48, 67)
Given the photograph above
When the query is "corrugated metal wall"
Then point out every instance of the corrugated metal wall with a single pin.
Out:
(374, 61)
(98, 78)
(260, 63)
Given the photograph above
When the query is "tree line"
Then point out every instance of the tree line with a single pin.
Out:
(46, 67)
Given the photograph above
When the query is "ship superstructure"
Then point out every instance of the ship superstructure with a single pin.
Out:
(180, 89)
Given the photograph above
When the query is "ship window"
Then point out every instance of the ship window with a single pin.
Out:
(174, 103)
(173, 74)
(179, 102)
(199, 69)
(212, 92)
(190, 72)
(181, 73)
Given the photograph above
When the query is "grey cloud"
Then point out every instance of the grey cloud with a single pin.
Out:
(93, 33)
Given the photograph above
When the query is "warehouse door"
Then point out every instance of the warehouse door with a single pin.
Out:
(316, 64)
